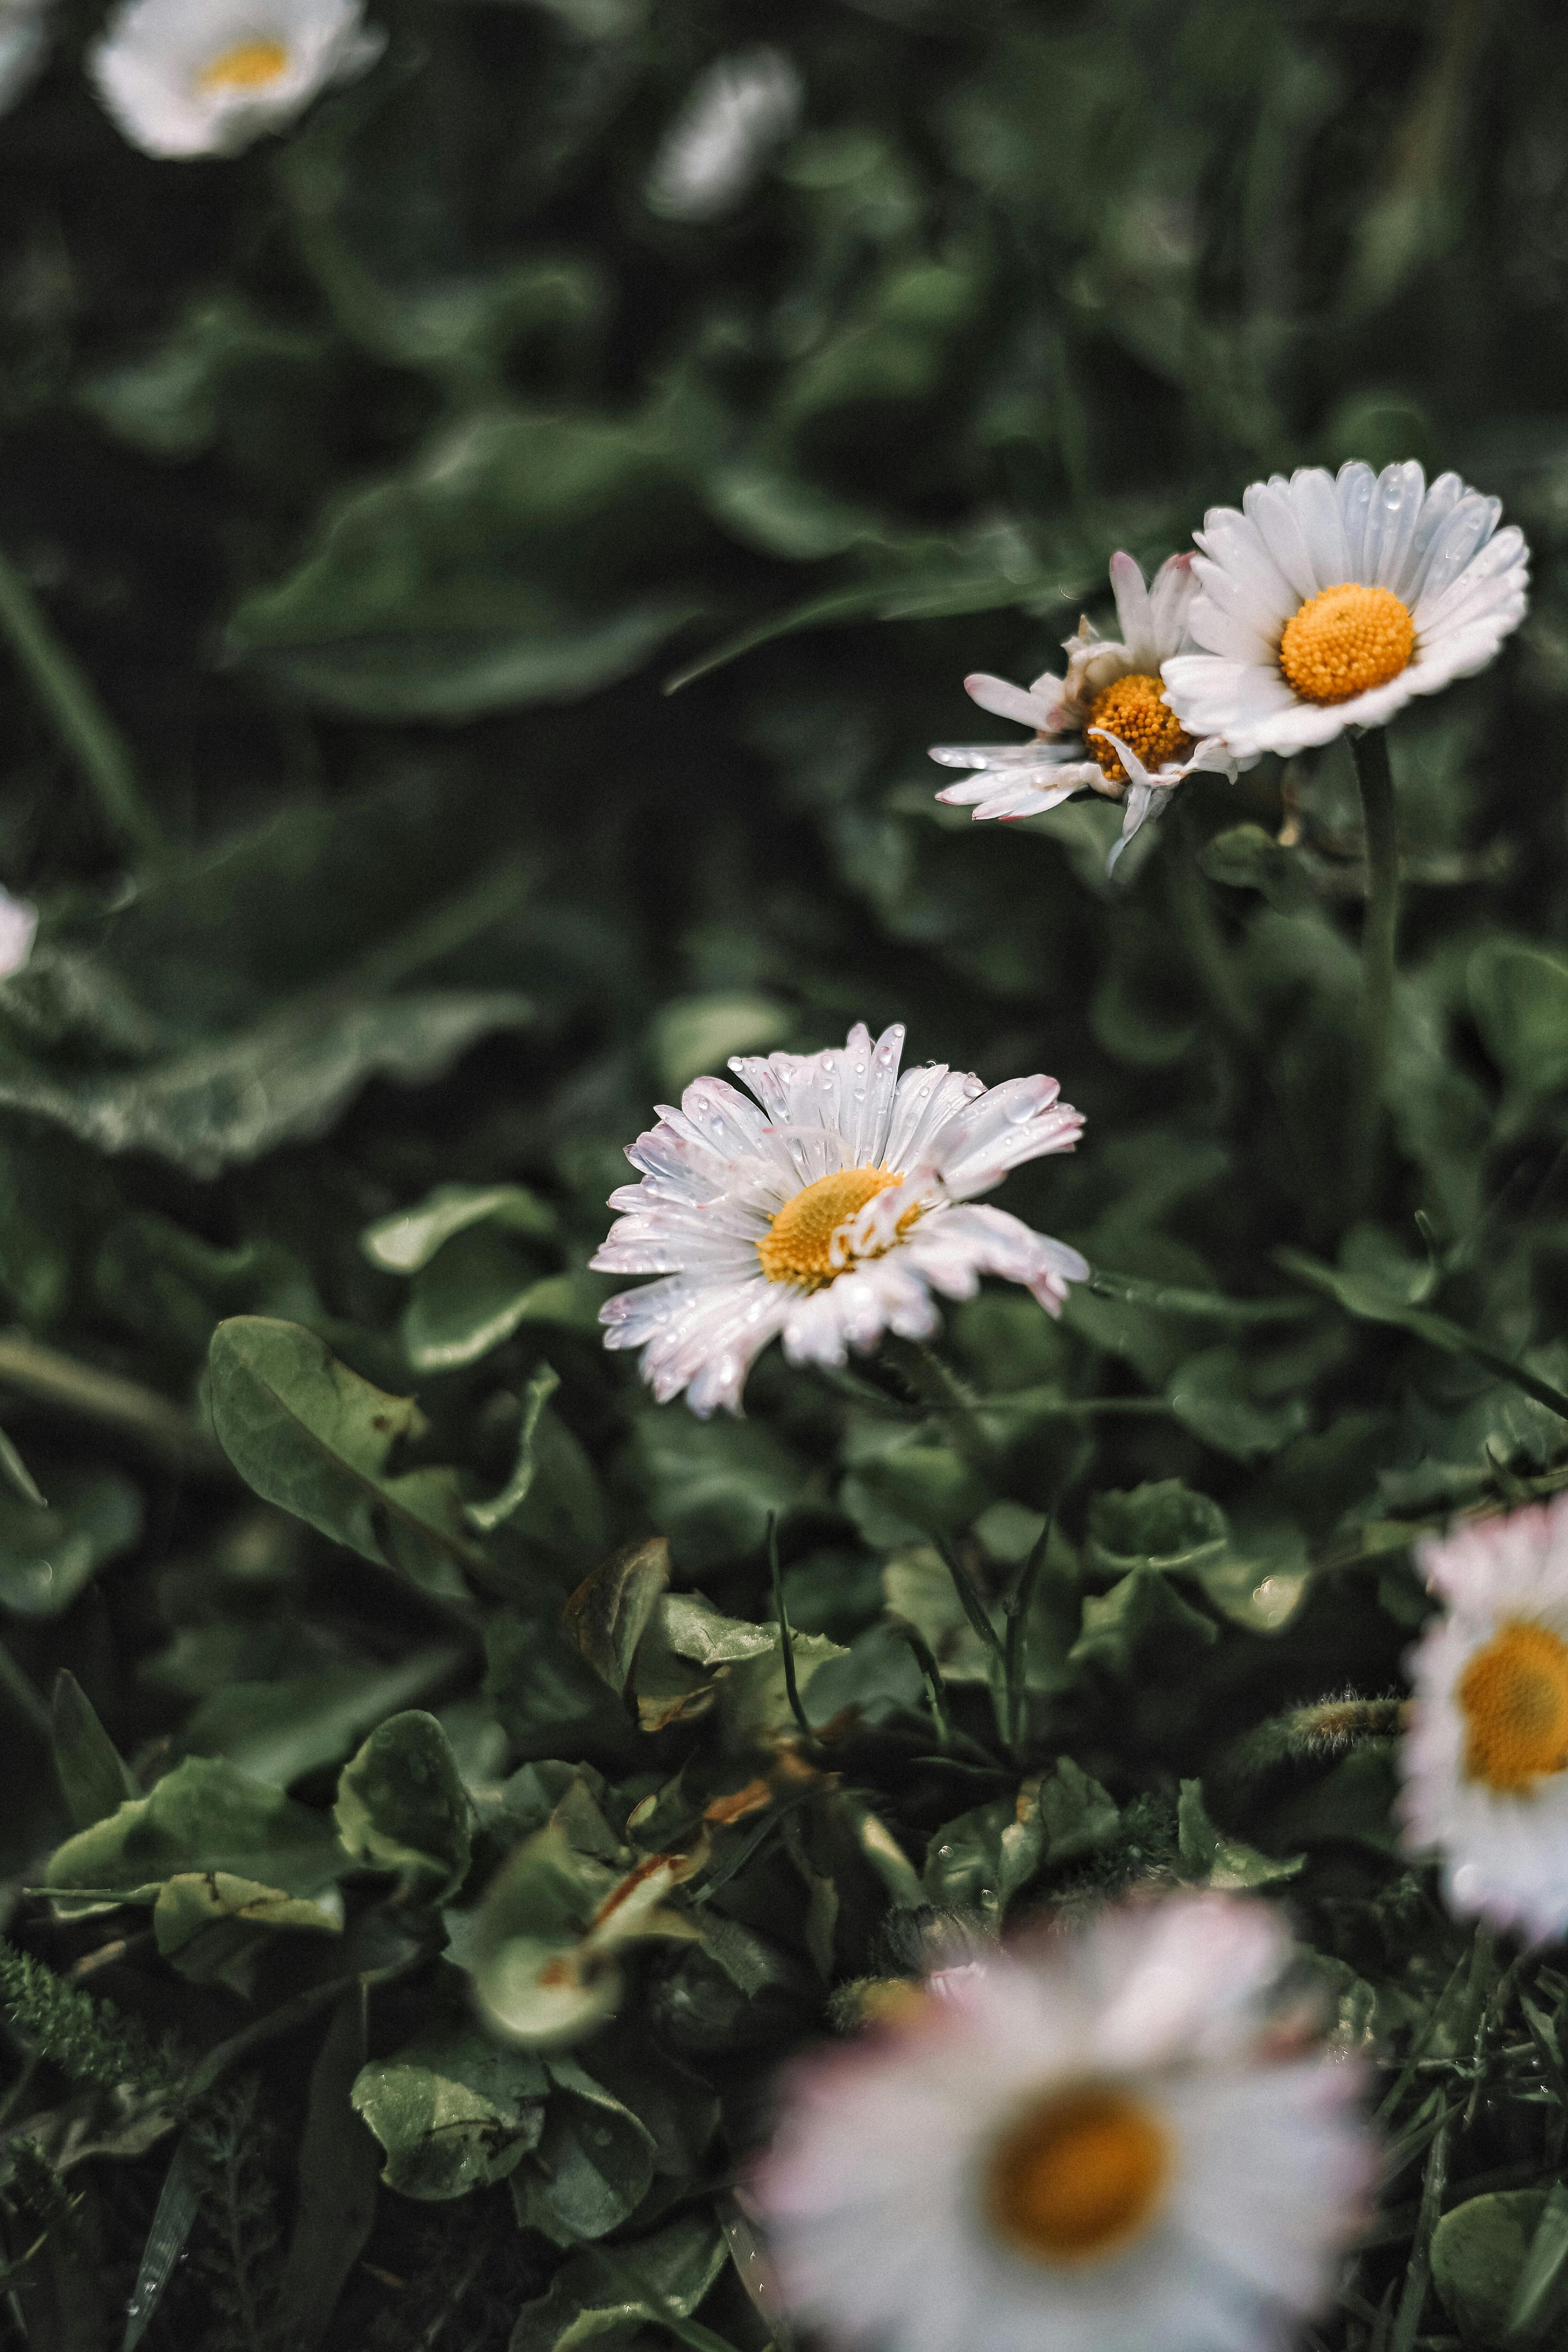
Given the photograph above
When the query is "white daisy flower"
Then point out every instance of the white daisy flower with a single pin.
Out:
(208, 77)
(1105, 725)
(735, 118)
(1485, 1761)
(1090, 2143)
(1328, 604)
(18, 929)
(829, 1216)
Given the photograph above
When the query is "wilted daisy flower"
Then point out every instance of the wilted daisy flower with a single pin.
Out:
(827, 1217)
(1104, 725)
(1486, 1759)
(208, 77)
(736, 115)
(1328, 604)
(1102, 2143)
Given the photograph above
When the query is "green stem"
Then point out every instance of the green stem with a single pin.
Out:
(1380, 932)
(786, 1639)
(1206, 943)
(1015, 1612)
(154, 1424)
(72, 699)
(922, 1370)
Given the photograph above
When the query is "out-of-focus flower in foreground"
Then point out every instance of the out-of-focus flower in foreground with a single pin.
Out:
(208, 76)
(18, 929)
(735, 116)
(1111, 2141)
(1486, 1758)
(829, 1216)
(24, 45)
(1328, 602)
(1105, 725)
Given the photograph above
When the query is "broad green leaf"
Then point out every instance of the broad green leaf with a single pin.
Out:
(979, 1861)
(692, 1034)
(204, 1815)
(1479, 2250)
(454, 2110)
(1519, 994)
(1121, 1626)
(406, 1240)
(485, 1517)
(308, 1434)
(592, 2302)
(594, 2164)
(48, 1557)
(402, 1805)
(609, 1612)
(206, 1921)
(283, 1080)
(337, 2165)
(1248, 858)
(712, 1486)
(1076, 1812)
(1214, 1859)
(279, 1731)
(1161, 1525)
(1210, 1394)
(470, 1298)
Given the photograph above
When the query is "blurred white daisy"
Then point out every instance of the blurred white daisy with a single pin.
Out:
(1485, 1761)
(1107, 2142)
(826, 1218)
(1105, 725)
(18, 929)
(735, 116)
(1328, 604)
(208, 77)
(24, 44)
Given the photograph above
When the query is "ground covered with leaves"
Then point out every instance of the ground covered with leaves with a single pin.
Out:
(368, 1632)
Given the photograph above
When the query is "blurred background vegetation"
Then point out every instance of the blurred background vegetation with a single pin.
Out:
(379, 484)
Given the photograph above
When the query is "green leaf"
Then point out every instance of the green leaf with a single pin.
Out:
(1479, 2250)
(310, 1436)
(1210, 1394)
(470, 1298)
(337, 2168)
(931, 1487)
(484, 1517)
(712, 1486)
(1077, 1813)
(1214, 1859)
(454, 2110)
(692, 1034)
(610, 1611)
(979, 1861)
(204, 1815)
(278, 1731)
(1248, 858)
(283, 1080)
(205, 1920)
(594, 2164)
(94, 1777)
(1121, 1626)
(48, 1557)
(498, 567)
(1163, 1526)
(1519, 995)
(402, 1805)
(406, 1240)
(652, 2279)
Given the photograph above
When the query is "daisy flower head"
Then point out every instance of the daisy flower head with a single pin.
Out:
(1094, 2143)
(186, 77)
(1329, 601)
(1485, 1761)
(826, 1216)
(1105, 726)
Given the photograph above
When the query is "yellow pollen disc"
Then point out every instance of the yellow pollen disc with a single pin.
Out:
(1078, 2176)
(252, 66)
(796, 1245)
(1514, 1696)
(1344, 641)
(1131, 709)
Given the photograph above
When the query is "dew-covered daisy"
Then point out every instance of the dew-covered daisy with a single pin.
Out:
(1328, 603)
(827, 1217)
(1112, 2141)
(1485, 1760)
(1105, 726)
(208, 77)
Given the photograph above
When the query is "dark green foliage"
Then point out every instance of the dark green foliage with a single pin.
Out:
(430, 1809)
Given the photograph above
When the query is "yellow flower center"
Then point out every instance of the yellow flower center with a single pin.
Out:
(1514, 1696)
(252, 66)
(1130, 708)
(1346, 640)
(797, 1244)
(1077, 2176)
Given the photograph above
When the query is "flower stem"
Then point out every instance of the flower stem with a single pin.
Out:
(1379, 932)
(72, 699)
